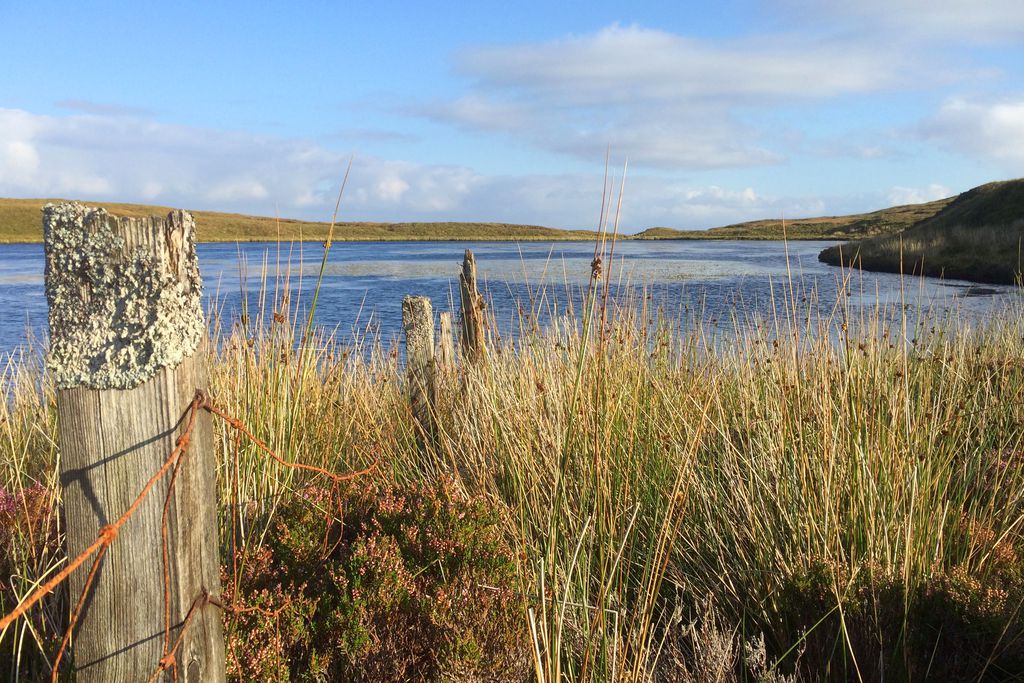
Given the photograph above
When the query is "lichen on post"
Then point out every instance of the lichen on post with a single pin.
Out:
(124, 295)
(127, 354)
(418, 323)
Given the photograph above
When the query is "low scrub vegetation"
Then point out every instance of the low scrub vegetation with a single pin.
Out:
(991, 254)
(979, 236)
(604, 500)
(379, 582)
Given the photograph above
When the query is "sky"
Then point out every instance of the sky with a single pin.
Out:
(506, 112)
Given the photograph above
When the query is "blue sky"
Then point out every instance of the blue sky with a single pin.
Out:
(725, 111)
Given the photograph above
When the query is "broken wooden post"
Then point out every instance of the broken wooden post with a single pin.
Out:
(418, 322)
(445, 345)
(472, 311)
(127, 355)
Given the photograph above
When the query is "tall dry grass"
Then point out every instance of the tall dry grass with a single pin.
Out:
(795, 499)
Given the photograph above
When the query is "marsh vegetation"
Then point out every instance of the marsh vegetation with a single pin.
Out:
(605, 499)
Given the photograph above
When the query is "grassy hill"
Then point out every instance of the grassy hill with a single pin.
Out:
(21, 221)
(973, 236)
(978, 236)
(855, 226)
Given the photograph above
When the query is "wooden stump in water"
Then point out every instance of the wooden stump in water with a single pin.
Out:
(127, 356)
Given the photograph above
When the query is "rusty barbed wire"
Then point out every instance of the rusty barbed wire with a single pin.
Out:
(108, 534)
(238, 425)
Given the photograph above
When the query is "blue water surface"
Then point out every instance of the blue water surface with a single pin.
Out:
(711, 282)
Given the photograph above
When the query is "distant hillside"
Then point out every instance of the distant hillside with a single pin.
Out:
(855, 226)
(21, 221)
(978, 236)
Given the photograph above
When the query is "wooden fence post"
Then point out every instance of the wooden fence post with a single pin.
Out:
(418, 321)
(445, 345)
(472, 311)
(127, 354)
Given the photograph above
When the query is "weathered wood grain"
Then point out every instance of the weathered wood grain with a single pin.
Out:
(133, 272)
(445, 345)
(418, 322)
(471, 311)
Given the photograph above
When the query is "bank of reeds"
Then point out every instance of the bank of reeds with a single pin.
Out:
(841, 499)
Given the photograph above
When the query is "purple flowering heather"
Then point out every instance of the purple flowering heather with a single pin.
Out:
(8, 502)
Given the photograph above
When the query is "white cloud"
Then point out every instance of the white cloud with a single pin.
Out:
(133, 159)
(685, 142)
(237, 190)
(150, 190)
(951, 21)
(112, 156)
(858, 146)
(391, 188)
(480, 113)
(623, 64)
(899, 196)
(662, 99)
(20, 158)
(991, 131)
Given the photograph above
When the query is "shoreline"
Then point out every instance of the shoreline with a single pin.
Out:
(626, 238)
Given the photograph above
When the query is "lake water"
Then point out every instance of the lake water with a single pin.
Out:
(364, 282)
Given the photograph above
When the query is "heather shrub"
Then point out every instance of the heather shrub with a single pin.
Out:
(704, 650)
(973, 622)
(959, 625)
(379, 582)
(29, 545)
(851, 506)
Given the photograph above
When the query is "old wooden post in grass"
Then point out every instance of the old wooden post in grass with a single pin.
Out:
(471, 305)
(418, 322)
(127, 354)
(445, 345)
